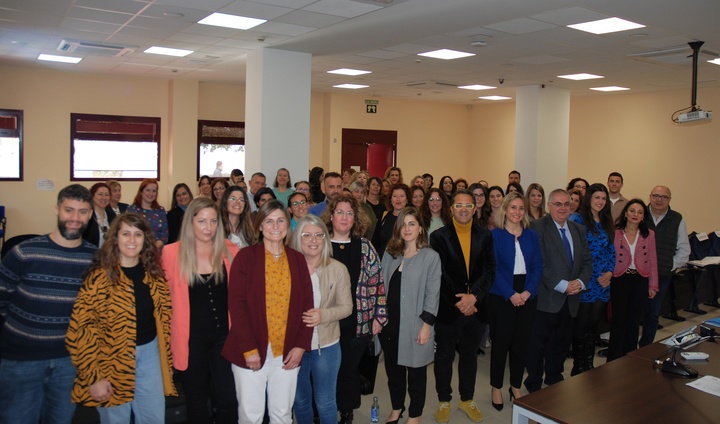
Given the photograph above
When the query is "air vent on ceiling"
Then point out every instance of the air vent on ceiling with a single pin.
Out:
(431, 85)
(92, 48)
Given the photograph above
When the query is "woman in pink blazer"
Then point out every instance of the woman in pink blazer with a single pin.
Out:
(197, 270)
(635, 276)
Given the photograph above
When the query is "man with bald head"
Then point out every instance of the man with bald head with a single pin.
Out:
(673, 251)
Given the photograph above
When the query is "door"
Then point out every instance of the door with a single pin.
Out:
(371, 150)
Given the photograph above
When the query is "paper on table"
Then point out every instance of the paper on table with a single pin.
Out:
(707, 384)
(707, 260)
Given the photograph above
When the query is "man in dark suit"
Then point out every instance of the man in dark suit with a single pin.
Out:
(567, 265)
(468, 269)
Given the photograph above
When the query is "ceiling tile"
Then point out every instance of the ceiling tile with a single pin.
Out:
(254, 10)
(520, 26)
(283, 29)
(344, 8)
(309, 19)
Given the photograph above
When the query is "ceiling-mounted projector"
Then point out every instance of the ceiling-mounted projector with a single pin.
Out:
(694, 116)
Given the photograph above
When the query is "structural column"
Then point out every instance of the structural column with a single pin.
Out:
(277, 113)
(542, 127)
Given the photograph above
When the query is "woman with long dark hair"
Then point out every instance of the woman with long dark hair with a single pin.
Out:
(447, 185)
(411, 270)
(635, 277)
(399, 199)
(436, 211)
(375, 197)
(483, 210)
(119, 332)
(595, 215)
(236, 217)
(181, 198)
(495, 198)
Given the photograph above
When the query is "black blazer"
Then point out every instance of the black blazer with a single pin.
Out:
(92, 232)
(175, 217)
(455, 279)
(556, 265)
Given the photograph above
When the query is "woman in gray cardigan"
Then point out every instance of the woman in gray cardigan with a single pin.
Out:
(412, 278)
(332, 302)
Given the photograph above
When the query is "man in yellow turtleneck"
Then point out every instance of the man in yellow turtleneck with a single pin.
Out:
(468, 270)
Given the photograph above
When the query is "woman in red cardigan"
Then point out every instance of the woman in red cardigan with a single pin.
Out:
(269, 290)
(635, 276)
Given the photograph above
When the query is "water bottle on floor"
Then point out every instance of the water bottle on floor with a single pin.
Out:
(375, 410)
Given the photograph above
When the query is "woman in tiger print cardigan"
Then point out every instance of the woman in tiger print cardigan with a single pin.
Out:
(119, 333)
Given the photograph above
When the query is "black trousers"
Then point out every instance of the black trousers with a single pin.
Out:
(465, 333)
(628, 294)
(549, 347)
(510, 330)
(209, 377)
(348, 385)
(402, 378)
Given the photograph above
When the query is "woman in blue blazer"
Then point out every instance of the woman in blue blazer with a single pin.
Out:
(512, 301)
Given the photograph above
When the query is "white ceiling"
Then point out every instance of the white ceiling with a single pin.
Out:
(526, 41)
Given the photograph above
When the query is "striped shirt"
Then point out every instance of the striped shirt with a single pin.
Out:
(39, 281)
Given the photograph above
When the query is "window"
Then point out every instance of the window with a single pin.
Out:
(11, 145)
(114, 147)
(221, 147)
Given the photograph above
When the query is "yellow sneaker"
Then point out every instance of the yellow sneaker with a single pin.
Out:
(443, 412)
(469, 407)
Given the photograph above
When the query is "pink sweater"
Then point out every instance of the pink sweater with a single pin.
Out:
(645, 257)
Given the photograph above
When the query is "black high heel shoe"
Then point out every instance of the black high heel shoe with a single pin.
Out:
(398, 418)
(512, 395)
(497, 406)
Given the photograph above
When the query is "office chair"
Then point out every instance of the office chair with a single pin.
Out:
(714, 251)
(14, 241)
(700, 247)
(3, 224)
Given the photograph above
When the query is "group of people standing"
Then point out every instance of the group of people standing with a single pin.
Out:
(264, 308)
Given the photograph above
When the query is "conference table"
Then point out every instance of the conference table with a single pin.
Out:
(628, 390)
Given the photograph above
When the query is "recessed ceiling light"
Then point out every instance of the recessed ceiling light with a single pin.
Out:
(495, 98)
(351, 86)
(715, 61)
(231, 21)
(446, 54)
(610, 88)
(579, 77)
(476, 87)
(62, 59)
(604, 26)
(173, 15)
(168, 51)
(346, 71)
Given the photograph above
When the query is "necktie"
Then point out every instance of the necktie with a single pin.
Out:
(566, 242)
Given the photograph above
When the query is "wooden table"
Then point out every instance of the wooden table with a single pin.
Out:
(708, 367)
(628, 390)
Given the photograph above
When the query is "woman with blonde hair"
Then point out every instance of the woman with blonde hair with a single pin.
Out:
(411, 270)
(512, 297)
(198, 268)
(115, 197)
(394, 175)
(119, 332)
(270, 288)
(332, 302)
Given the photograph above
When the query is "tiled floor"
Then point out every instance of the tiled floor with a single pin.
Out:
(482, 391)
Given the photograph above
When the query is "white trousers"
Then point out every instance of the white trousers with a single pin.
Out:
(252, 387)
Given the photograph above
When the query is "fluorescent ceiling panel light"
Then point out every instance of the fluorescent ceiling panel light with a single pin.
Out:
(62, 59)
(715, 61)
(579, 77)
(476, 87)
(495, 98)
(351, 86)
(446, 54)
(346, 71)
(168, 51)
(231, 21)
(610, 88)
(605, 26)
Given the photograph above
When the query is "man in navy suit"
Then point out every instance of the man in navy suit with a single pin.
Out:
(567, 265)
(468, 270)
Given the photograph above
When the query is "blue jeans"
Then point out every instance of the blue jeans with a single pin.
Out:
(148, 406)
(36, 391)
(652, 313)
(323, 364)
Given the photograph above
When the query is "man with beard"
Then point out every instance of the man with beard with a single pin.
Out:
(39, 281)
